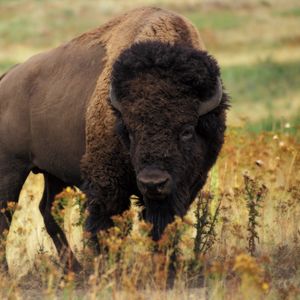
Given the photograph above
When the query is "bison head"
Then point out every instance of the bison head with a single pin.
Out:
(170, 107)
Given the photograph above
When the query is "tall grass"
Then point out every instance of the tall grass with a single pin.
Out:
(236, 242)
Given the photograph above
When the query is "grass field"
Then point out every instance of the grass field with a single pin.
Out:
(251, 250)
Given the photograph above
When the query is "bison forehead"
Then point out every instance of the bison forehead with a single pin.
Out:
(159, 101)
(160, 116)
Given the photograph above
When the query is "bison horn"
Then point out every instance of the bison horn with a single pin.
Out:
(113, 99)
(213, 102)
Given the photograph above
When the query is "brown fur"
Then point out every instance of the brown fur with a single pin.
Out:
(156, 91)
(56, 118)
(145, 24)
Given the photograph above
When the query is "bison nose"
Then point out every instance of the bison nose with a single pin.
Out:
(154, 182)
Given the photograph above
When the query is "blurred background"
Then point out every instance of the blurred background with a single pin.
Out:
(257, 43)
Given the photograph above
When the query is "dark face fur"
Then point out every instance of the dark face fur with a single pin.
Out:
(157, 90)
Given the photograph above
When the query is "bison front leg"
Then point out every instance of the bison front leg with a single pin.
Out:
(52, 187)
(103, 203)
(108, 182)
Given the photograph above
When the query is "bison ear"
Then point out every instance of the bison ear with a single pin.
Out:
(214, 101)
(113, 99)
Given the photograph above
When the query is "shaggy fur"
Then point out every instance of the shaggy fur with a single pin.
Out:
(193, 73)
(189, 73)
(65, 127)
(105, 182)
(160, 86)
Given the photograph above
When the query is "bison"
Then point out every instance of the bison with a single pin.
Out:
(135, 106)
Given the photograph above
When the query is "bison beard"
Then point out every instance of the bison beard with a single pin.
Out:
(161, 213)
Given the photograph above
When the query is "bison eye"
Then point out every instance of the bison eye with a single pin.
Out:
(123, 133)
(187, 133)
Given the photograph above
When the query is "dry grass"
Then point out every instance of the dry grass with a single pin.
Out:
(132, 269)
(251, 250)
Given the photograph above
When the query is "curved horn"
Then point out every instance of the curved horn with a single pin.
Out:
(213, 102)
(113, 99)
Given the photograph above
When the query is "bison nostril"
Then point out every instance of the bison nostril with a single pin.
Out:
(163, 182)
(154, 184)
(154, 181)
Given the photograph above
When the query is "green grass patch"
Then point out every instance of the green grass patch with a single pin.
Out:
(17, 30)
(294, 12)
(6, 65)
(45, 23)
(271, 123)
(217, 20)
(265, 81)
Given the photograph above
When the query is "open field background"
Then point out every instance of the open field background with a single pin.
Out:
(257, 43)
